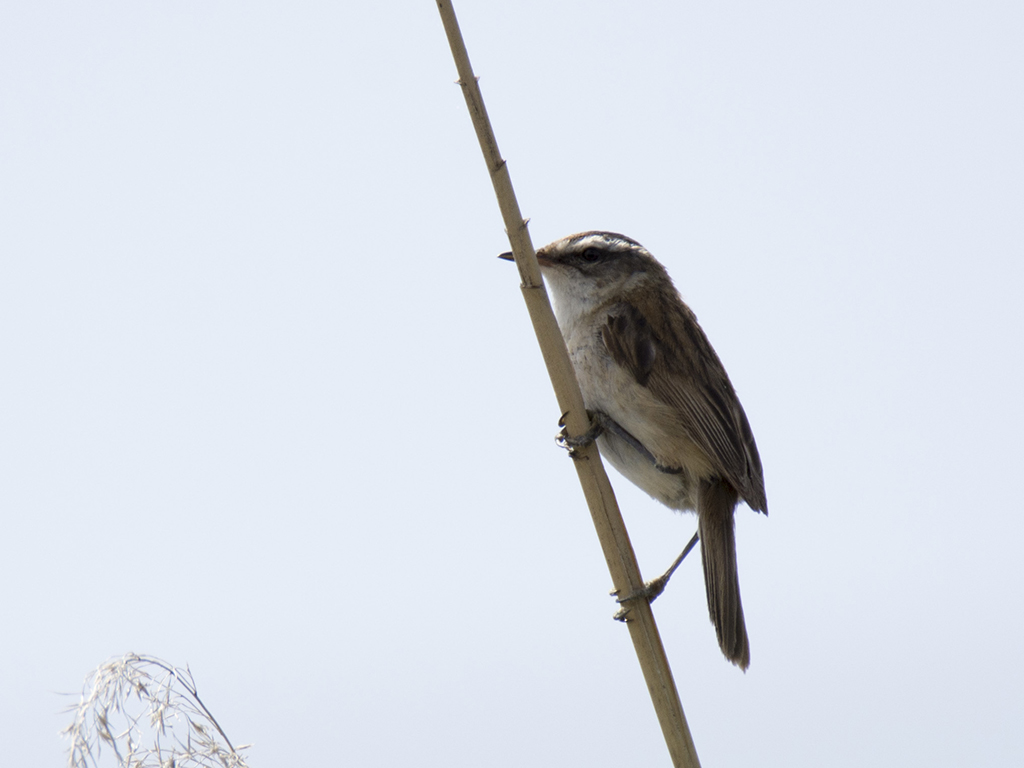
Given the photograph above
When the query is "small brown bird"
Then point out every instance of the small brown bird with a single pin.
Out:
(664, 410)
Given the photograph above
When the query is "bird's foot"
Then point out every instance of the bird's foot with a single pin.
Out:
(574, 443)
(653, 588)
(648, 592)
(601, 423)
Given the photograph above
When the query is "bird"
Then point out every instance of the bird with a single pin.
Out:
(663, 409)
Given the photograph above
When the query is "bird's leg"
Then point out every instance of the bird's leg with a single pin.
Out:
(654, 587)
(599, 424)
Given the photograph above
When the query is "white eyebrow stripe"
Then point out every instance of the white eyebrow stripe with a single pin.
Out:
(604, 240)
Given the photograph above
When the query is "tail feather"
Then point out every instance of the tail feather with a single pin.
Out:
(716, 505)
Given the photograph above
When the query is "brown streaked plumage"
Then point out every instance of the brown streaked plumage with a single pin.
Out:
(643, 362)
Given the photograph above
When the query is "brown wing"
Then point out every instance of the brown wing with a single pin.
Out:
(690, 377)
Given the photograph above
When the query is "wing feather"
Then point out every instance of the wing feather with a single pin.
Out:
(683, 371)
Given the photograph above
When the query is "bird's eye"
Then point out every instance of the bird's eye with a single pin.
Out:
(591, 255)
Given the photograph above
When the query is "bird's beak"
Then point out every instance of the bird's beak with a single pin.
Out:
(542, 259)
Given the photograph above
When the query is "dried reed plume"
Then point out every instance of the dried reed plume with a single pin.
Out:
(149, 715)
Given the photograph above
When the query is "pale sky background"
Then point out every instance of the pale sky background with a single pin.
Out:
(272, 407)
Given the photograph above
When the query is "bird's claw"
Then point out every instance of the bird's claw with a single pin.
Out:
(648, 591)
(574, 444)
(623, 613)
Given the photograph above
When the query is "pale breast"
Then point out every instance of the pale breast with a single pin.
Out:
(609, 388)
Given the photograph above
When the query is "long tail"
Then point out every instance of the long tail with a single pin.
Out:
(718, 555)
